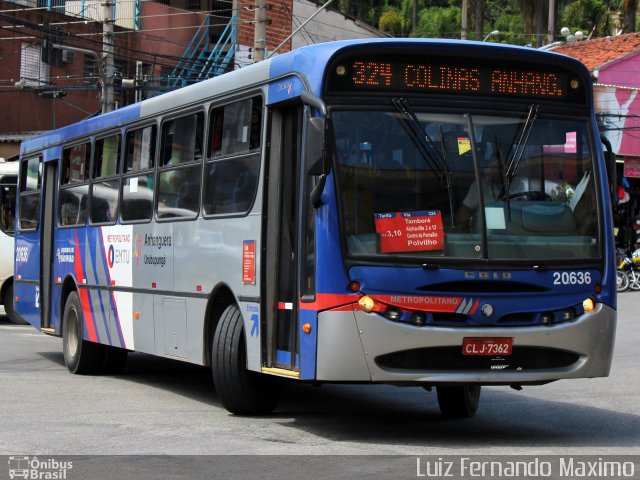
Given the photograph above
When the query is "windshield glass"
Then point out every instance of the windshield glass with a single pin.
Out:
(411, 185)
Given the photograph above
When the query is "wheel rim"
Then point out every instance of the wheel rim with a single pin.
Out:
(72, 333)
(622, 281)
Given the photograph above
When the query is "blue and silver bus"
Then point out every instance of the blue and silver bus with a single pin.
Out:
(410, 212)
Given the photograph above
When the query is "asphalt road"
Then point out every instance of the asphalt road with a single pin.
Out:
(162, 407)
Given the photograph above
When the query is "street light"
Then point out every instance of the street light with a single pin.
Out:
(566, 33)
(491, 34)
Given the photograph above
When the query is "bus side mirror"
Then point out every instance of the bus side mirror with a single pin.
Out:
(610, 163)
(315, 155)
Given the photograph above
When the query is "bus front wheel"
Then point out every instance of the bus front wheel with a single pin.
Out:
(459, 401)
(80, 356)
(241, 391)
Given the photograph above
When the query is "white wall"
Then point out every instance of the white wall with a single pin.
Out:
(328, 25)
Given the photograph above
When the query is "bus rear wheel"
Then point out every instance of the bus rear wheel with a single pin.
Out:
(459, 401)
(80, 356)
(241, 391)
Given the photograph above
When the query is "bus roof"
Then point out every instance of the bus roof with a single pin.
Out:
(307, 63)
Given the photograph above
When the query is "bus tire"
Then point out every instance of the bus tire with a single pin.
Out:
(115, 359)
(459, 401)
(240, 391)
(7, 301)
(80, 356)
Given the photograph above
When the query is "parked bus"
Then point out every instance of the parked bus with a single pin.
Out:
(409, 212)
(8, 181)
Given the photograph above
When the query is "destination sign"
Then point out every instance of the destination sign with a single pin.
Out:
(438, 75)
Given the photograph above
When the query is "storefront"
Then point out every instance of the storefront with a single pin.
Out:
(618, 110)
(614, 63)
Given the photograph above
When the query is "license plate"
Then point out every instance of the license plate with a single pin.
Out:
(489, 346)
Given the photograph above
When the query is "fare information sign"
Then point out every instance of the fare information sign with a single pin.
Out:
(409, 231)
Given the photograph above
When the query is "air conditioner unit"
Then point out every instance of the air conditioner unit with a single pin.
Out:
(68, 56)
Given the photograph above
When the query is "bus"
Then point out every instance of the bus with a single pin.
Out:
(419, 213)
(8, 182)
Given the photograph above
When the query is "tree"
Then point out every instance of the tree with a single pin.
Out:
(629, 9)
(478, 19)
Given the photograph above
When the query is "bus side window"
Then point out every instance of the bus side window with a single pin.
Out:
(235, 133)
(231, 185)
(104, 194)
(137, 191)
(73, 206)
(180, 170)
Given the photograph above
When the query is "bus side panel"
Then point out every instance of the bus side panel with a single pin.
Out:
(64, 260)
(208, 253)
(27, 274)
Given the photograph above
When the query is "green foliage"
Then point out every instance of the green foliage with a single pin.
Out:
(392, 21)
(438, 22)
(586, 15)
(513, 18)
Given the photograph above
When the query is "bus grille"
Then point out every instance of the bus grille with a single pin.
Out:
(451, 358)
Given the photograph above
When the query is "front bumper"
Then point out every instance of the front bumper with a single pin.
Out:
(351, 344)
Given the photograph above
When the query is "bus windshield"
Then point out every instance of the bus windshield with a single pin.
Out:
(466, 186)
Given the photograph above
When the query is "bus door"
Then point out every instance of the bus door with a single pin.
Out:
(281, 346)
(50, 181)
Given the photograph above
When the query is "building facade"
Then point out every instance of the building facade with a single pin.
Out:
(157, 46)
(614, 63)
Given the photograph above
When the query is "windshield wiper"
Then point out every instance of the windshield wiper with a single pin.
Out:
(422, 140)
(514, 160)
(412, 126)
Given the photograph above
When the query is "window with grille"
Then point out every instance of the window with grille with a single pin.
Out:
(33, 72)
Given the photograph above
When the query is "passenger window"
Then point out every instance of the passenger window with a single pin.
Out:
(137, 191)
(137, 198)
(231, 184)
(105, 163)
(140, 149)
(235, 128)
(30, 175)
(29, 202)
(104, 201)
(178, 195)
(233, 166)
(179, 192)
(182, 140)
(73, 203)
(75, 163)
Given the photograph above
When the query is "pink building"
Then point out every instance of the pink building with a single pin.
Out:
(614, 63)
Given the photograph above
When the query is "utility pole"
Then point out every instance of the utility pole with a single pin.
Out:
(465, 19)
(260, 31)
(107, 57)
(552, 22)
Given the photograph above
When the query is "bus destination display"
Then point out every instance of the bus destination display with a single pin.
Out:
(416, 77)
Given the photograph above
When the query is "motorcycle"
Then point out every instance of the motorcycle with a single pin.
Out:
(628, 272)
